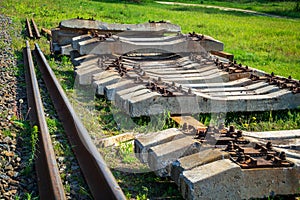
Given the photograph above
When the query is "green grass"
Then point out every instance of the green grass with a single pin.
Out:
(255, 121)
(126, 152)
(33, 142)
(270, 44)
(146, 186)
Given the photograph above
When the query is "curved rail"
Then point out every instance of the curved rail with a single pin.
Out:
(99, 178)
(49, 182)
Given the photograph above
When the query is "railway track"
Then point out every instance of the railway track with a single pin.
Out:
(32, 33)
(97, 175)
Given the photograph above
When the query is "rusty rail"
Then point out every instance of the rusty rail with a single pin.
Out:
(50, 184)
(99, 178)
(35, 33)
(29, 30)
(36, 30)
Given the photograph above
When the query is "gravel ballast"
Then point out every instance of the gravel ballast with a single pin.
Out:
(17, 178)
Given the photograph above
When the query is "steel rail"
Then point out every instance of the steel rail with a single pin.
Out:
(49, 181)
(99, 178)
(36, 30)
(29, 28)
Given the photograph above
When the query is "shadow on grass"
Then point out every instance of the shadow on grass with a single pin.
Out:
(66, 73)
(123, 1)
(265, 6)
(68, 80)
(285, 13)
(211, 11)
(146, 186)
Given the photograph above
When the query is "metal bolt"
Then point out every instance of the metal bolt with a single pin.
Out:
(180, 88)
(217, 61)
(230, 146)
(221, 66)
(269, 157)
(163, 91)
(159, 80)
(282, 155)
(154, 87)
(184, 126)
(241, 157)
(231, 129)
(138, 79)
(269, 145)
(239, 133)
(263, 149)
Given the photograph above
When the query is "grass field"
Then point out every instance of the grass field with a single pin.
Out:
(270, 44)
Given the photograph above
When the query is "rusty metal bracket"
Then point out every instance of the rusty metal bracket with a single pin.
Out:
(258, 156)
(232, 67)
(196, 36)
(168, 90)
(221, 135)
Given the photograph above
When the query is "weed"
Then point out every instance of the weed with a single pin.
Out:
(128, 195)
(52, 125)
(7, 133)
(264, 121)
(20, 114)
(125, 151)
(29, 196)
(141, 197)
(146, 186)
(34, 139)
(67, 188)
(84, 192)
